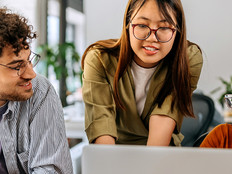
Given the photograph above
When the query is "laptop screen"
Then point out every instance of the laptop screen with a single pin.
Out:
(126, 159)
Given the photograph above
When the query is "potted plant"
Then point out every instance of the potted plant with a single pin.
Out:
(57, 57)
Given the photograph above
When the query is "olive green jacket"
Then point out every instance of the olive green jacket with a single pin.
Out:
(127, 126)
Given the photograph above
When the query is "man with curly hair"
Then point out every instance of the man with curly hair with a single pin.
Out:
(32, 132)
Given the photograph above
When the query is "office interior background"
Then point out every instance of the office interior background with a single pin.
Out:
(208, 24)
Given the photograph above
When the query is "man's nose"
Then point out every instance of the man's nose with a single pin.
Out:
(29, 72)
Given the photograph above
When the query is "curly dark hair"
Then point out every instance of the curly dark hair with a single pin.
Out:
(14, 31)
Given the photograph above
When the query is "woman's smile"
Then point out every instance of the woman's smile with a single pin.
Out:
(150, 50)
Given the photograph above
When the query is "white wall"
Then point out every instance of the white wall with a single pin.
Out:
(209, 24)
(104, 19)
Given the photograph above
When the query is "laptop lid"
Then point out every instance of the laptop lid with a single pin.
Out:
(125, 159)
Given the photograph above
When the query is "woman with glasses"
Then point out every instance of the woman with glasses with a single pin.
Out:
(138, 88)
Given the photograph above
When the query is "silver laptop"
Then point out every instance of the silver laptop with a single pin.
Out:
(125, 159)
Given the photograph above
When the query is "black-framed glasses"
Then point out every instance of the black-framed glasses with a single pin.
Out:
(22, 67)
(142, 32)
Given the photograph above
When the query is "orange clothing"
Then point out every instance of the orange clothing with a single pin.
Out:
(219, 137)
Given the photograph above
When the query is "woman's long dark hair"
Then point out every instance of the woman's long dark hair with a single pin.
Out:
(177, 81)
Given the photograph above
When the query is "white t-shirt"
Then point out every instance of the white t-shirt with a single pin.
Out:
(142, 78)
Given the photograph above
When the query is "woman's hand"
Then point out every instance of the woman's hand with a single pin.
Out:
(161, 128)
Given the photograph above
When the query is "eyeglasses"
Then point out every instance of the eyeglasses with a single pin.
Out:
(22, 67)
(142, 32)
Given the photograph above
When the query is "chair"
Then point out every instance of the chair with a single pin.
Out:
(199, 140)
(192, 128)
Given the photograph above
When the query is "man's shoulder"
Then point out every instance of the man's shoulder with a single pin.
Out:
(43, 92)
(42, 88)
(41, 83)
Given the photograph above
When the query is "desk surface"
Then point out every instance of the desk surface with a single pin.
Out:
(74, 121)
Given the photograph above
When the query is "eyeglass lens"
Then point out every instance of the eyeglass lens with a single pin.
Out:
(33, 60)
(142, 32)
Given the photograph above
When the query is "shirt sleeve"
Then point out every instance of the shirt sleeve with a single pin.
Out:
(49, 151)
(100, 112)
